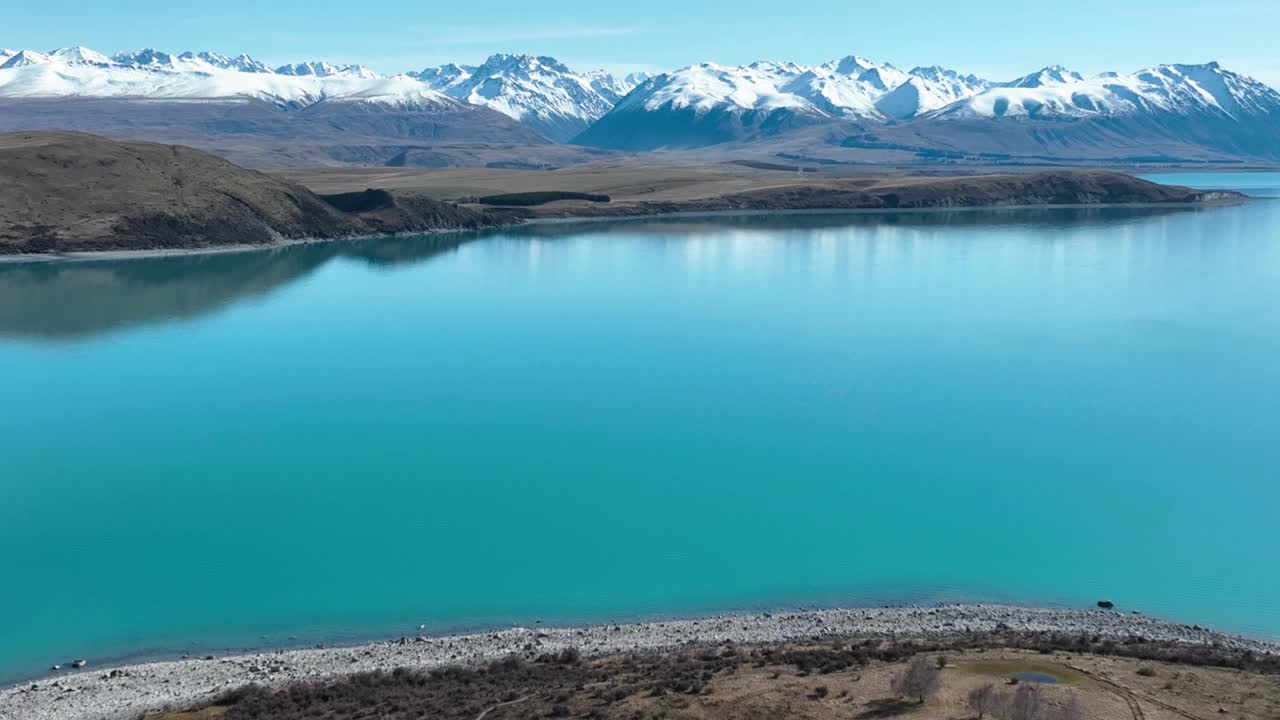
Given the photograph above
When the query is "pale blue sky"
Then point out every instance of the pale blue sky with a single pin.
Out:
(995, 38)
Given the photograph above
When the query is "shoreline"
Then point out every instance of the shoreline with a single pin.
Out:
(748, 212)
(125, 692)
(89, 255)
(140, 254)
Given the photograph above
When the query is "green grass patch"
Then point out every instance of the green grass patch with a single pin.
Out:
(1007, 668)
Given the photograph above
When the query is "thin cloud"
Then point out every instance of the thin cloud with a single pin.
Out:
(498, 36)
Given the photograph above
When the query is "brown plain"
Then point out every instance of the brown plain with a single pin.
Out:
(667, 184)
(817, 680)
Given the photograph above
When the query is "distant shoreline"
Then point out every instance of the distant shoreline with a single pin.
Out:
(226, 208)
(747, 212)
(87, 255)
(570, 219)
(123, 693)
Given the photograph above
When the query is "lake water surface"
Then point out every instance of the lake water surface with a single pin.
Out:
(637, 419)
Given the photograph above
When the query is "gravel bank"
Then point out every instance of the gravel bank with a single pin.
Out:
(124, 693)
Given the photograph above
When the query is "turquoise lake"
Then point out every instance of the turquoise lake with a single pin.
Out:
(614, 421)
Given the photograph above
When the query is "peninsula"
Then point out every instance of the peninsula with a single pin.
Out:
(72, 193)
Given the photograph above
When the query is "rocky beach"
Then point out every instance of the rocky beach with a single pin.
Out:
(98, 693)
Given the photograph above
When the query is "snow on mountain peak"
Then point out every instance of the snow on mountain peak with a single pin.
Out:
(153, 74)
(631, 80)
(929, 89)
(442, 76)
(1048, 77)
(26, 58)
(936, 73)
(547, 95)
(850, 65)
(241, 63)
(847, 87)
(79, 55)
(503, 62)
(612, 87)
(774, 67)
(707, 86)
(146, 57)
(1208, 85)
(317, 68)
(538, 90)
(1176, 89)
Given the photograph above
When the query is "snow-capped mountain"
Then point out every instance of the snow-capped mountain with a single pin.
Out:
(1052, 76)
(147, 58)
(539, 91)
(928, 88)
(444, 75)
(187, 61)
(323, 69)
(1161, 90)
(1203, 105)
(709, 103)
(242, 63)
(851, 101)
(709, 86)
(613, 87)
(153, 74)
(840, 88)
(25, 58)
(79, 56)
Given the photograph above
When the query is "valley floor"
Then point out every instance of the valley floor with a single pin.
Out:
(626, 180)
(638, 187)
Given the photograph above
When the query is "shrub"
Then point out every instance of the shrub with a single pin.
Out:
(984, 700)
(920, 680)
(1025, 704)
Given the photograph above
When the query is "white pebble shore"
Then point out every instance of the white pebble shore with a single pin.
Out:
(101, 694)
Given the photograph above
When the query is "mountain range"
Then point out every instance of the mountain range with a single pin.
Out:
(932, 108)
(848, 109)
(541, 92)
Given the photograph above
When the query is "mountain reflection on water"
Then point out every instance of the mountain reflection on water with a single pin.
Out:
(69, 299)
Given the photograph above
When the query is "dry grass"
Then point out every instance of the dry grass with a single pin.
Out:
(1005, 668)
(629, 180)
(817, 680)
(646, 186)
